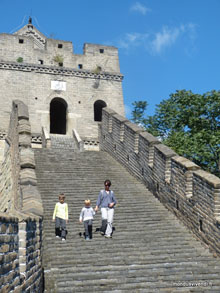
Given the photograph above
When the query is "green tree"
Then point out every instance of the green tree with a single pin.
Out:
(190, 124)
(139, 112)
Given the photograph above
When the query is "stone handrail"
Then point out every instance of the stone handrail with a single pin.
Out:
(190, 193)
(46, 140)
(78, 141)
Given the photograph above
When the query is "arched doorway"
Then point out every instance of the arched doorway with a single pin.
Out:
(98, 105)
(58, 110)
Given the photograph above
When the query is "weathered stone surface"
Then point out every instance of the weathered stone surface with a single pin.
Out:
(22, 109)
(24, 140)
(149, 138)
(120, 118)
(28, 177)
(133, 127)
(189, 165)
(165, 150)
(20, 258)
(24, 126)
(27, 158)
(4, 248)
(209, 178)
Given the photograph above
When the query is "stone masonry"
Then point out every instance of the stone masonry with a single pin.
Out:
(21, 210)
(36, 70)
(192, 194)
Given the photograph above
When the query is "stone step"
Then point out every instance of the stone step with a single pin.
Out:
(151, 251)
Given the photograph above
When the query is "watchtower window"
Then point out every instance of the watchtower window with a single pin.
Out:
(60, 46)
(101, 51)
(41, 61)
(60, 64)
(98, 105)
(21, 41)
(80, 66)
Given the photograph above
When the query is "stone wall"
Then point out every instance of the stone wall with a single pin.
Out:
(82, 80)
(44, 52)
(9, 254)
(6, 182)
(20, 253)
(192, 194)
(21, 209)
(33, 85)
(18, 184)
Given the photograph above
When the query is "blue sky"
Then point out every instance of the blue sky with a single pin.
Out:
(164, 45)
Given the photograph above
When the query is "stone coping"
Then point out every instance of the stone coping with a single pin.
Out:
(189, 165)
(134, 127)
(165, 150)
(17, 216)
(120, 118)
(150, 138)
(209, 178)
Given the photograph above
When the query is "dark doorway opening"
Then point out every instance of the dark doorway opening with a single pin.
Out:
(58, 108)
(98, 105)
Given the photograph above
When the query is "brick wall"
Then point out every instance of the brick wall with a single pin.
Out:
(9, 254)
(192, 194)
(20, 253)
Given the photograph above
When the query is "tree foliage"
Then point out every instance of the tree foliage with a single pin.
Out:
(190, 124)
(138, 113)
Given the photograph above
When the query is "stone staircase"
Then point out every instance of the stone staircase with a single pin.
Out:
(61, 141)
(151, 251)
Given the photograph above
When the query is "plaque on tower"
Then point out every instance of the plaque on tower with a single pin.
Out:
(58, 85)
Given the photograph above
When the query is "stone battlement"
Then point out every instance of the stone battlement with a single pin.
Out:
(31, 46)
(192, 194)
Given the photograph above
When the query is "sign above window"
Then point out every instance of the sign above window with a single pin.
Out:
(58, 85)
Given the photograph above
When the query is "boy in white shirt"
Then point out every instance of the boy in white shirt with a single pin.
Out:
(86, 216)
(60, 217)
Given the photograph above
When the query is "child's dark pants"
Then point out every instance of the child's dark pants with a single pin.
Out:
(88, 228)
(60, 224)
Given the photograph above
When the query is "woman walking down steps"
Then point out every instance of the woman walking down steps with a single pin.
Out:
(106, 200)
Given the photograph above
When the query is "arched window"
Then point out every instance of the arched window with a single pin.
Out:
(98, 105)
(58, 110)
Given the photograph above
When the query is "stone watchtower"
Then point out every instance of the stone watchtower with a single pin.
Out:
(63, 91)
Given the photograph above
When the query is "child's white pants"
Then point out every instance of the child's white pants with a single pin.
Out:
(108, 214)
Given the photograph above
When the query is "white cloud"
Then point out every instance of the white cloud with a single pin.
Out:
(156, 43)
(168, 36)
(131, 40)
(138, 7)
(165, 38)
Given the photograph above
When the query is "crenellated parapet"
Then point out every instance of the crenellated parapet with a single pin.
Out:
(190, 193)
